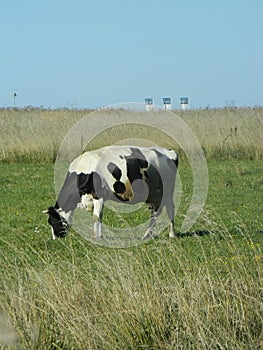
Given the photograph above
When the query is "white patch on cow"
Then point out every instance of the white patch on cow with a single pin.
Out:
(172, 234)
(97, 217)
(53, 234)
(97, 161)
(86, 202)
(97, 230)
(66, 215)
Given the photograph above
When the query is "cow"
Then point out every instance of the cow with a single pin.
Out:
(126, 174)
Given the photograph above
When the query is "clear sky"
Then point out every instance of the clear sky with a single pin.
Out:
(81, 53)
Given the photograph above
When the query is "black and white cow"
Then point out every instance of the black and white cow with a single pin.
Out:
(122, 173)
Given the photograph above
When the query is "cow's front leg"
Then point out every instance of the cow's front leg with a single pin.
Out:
(97, 217)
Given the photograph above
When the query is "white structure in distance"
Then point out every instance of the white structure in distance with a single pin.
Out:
(148, 104)
(167, 103)
(184, 103)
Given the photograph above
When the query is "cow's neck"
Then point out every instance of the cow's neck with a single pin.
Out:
(67, 215)
(69, 196)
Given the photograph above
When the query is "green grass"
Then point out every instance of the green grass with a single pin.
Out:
(202, 290)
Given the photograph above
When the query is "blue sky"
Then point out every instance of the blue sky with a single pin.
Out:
(95, 53)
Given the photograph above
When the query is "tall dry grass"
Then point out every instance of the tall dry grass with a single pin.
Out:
(151, 297)
(35, 135)
(228, 133)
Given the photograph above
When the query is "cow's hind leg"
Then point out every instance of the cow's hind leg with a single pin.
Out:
(155, 212)
(154, 216)
(170, 213)
(172, 233)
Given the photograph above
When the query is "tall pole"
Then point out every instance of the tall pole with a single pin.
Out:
(14, 95)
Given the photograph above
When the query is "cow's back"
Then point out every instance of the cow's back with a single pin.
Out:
(119, 166)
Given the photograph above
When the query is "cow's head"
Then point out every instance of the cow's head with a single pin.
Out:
(59, 225)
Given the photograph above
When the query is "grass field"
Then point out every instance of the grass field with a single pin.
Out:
(203, 290)
(35, 135)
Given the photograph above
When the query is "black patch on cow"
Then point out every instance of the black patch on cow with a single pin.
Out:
(59, 224)
(114, 170)
(53, 213)
(91, 184)
(69, 195)
(99, 191)
(119, 187)
(159, 154)
(173, 162)
(85, 183)
(176, 162)
(155, 186)
(136, 153)
(133, 169)
(135, 162)
(146, 174)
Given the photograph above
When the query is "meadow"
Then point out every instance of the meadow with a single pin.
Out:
(34, 135)
(203, 290)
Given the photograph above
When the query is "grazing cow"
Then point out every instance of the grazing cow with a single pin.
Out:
(122, 173)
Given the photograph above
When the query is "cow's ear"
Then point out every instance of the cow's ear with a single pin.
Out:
(51, 211)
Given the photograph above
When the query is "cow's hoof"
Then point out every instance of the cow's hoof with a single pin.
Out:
(172, 236)
(96, 237)
(147, 235)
